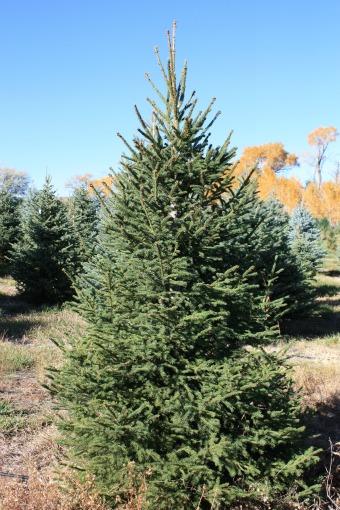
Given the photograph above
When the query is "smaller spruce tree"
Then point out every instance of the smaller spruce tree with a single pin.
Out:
(305, 242)
(273, 248)
(329, 233)
(83, 214)
(260, 236)
(44, 258)
(9, 223)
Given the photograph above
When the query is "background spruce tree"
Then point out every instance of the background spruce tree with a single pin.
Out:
(274, 248)
(9, 224)
(13, 186)
(305, 241)
(260, 236)
(83, 214)
(329, 233)
(44, 258)
(160, 380)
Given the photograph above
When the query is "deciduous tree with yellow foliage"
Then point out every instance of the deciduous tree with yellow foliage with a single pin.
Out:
(319, 139)
(323, 201)
(269, 159)
(102, 186)
(86, 180)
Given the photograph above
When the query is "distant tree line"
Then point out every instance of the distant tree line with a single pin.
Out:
(45, 242)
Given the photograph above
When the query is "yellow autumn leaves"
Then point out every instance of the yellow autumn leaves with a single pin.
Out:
(322, 199)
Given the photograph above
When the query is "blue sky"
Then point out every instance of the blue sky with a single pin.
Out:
(71, 71)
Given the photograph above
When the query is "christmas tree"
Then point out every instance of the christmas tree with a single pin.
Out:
(305, 241)
(273, 247)
(44, 258)
(9, 223)
(160, 380)
(83, 214)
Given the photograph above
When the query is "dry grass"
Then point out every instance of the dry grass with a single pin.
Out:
(331, 263)
(316, 361)
(14, 357)
(43, 492)
(7, 286)
(26, 333)
(28, 443)
(316, 356)
(328, 290)
(319, 384)
(14, 420)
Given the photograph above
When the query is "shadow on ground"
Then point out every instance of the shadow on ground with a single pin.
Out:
(323, 319)
(331, 272)
(16, 329)
(327, 290)
(16, 320)
(324, 431)
(311, 327)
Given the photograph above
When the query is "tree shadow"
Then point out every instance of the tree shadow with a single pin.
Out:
(322, 320)
(310, 327)
(16, 329)
(16, 318)
(331, 272)
(327, 290)
(324, 423)
(323, 428)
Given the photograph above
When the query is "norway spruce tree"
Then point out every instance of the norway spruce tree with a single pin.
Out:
(328, 233)
(9, 223)
(44, 258)
(160, 384)
(305, 241)
(83, 214)
(274, 247)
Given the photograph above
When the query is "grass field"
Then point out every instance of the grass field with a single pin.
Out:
(28, 437)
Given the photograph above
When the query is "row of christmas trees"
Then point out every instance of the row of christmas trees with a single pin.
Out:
(168, 388)
(45, 242)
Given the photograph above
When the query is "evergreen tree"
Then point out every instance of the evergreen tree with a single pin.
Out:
(274, 248)
(83, 213)
(305, 239)
(260, 238)
(161, 378)
(44, 258)
(332, 239)
(328, 232)
(9, 223)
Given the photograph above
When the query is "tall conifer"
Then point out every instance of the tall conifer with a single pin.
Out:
(160, 380)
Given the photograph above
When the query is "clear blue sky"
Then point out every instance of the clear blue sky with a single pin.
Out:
(71, 71)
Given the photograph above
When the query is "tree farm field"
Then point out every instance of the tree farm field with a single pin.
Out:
(28, 436)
